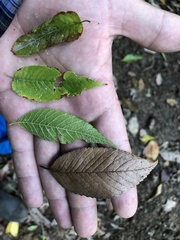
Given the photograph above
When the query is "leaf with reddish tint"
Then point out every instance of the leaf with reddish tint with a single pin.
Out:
(63, 27)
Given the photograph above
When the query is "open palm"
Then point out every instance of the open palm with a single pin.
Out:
(90, 55)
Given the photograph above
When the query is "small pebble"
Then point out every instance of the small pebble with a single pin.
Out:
(152, 124)
(170, 204)
(171, 156)
(133, 126)
(164, 176)
(159, 79)
(142, 132)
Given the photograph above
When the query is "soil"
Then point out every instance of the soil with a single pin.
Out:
(149, 90)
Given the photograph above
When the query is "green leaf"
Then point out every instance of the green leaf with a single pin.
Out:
(147, 138)
(37, 82)
(73, 85)
(54, 125)
(40, 83)
(63, 27)
(32, 228)
(131, 58)
(42, 237)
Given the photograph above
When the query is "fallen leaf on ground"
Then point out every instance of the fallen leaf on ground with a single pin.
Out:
(172, 102)
(163, 2)
(146, 138)
(151, 151)
(132, 58)
(32, 228)
(128, 104)
(141, 84)
(157, 193)
(12, 228)
(100, 172)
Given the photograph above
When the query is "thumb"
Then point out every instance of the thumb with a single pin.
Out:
(151, 27)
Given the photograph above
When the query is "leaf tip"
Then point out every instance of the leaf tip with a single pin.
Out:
(41, 166)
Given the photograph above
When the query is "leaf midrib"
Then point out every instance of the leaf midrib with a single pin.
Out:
(45, 125)
(32, 80)
(136, 170)
(29, 43)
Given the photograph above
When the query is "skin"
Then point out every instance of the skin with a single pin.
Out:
(90, 55)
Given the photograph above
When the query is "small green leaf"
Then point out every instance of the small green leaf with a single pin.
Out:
(147, 138)
(63, 27)
(57, 126)
(39, 83)
(73, 85)
(32, 228)
(42, 237)
(131, 58)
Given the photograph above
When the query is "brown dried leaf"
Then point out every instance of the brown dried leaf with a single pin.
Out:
(151, 151)
(100, 172)
(128, 104)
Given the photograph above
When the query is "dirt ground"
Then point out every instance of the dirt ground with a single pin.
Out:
(149, 92)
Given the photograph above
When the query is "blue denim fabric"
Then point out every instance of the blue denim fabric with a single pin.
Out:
(8, 9)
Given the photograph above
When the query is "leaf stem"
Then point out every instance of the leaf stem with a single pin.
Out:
(13, 123)
(86, 21)
(8, 76)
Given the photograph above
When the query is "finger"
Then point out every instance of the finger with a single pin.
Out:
(151, 27)
(83, 209)
(46, 152)
(126, 204)
(25, 166)
(111, 124)
(84, 214)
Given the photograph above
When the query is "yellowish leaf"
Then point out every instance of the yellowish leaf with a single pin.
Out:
(163, 2)
(128, 104)
(151, 151)
(141, 84)
(12, 228)
(171, 101)
(157, 193)
(147, 138)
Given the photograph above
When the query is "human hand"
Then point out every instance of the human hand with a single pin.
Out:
(90, 55)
